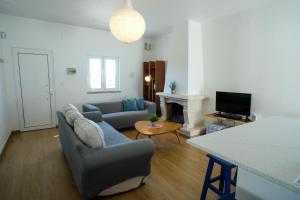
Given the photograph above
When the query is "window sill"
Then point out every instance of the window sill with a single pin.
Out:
(104, 91)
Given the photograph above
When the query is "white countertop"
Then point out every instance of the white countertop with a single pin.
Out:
(269, 148)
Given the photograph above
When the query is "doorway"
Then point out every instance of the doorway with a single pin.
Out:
(35, 88)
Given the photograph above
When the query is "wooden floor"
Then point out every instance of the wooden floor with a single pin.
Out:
(32, 166)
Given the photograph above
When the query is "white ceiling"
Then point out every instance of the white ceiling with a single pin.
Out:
(160, 15)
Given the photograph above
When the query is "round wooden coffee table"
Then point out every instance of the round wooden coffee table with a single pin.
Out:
(163, 127)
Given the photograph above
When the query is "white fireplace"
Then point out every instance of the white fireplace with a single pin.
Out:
(192, 111)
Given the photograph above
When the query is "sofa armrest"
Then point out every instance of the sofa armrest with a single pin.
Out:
(104, 168)
(87, 107)
(123, 152)
(95, 116)
(150, 106)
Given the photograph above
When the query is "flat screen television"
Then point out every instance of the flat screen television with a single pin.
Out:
(233, 103)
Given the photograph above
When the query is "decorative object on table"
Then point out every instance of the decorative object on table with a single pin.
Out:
(156, 125)
(153, 81)
(153, 119)
(126, 24)
(172, 87)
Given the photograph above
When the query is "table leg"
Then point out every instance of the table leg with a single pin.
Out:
(137, 135)
(176, 132)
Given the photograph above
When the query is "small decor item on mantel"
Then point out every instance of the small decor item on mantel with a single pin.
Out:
(153, 118)
(172, 87)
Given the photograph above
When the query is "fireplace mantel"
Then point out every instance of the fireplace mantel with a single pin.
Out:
(181, 96)
(192, 111)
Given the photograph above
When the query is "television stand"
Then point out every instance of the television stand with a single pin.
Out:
(230, 116)
(221, 119)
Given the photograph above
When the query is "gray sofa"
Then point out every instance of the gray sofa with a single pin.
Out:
(112, 113)
(121, 165)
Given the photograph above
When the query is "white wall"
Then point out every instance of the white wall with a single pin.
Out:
(182, 49)
(160, 47)
(4, 133)
(70, 46)
(195, 58)
(176, 51)
(173, 48)
(257, 52)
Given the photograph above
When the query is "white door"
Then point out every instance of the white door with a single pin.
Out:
(35, 89)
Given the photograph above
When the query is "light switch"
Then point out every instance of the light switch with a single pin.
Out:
(71, 70)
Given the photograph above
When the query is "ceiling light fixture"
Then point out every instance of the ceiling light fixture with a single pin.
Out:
(126, 24)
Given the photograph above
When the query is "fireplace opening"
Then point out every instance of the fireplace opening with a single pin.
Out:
(175, 112)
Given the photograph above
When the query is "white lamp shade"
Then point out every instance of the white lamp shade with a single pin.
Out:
(127, 25)
(148, 78)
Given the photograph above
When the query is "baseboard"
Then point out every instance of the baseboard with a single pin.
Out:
(15, 132)
(4, 143)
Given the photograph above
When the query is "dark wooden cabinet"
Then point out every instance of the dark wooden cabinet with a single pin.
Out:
(154, 73)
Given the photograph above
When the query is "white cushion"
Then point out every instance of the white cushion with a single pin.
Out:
(89, 133)
(68, 107)
(72, 115)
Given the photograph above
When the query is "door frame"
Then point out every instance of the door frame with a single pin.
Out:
(49, 54)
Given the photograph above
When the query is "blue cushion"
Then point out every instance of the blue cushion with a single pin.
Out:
(140, 103)
(111, 135)
(129, 105)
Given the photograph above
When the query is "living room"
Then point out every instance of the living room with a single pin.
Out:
(245, 47)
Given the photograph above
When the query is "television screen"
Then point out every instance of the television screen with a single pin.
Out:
(233, 103)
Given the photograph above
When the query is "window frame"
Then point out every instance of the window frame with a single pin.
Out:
(103, 88)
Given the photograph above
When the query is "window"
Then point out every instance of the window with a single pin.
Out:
(103, 74)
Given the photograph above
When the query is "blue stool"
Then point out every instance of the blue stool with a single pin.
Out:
(224, 179)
